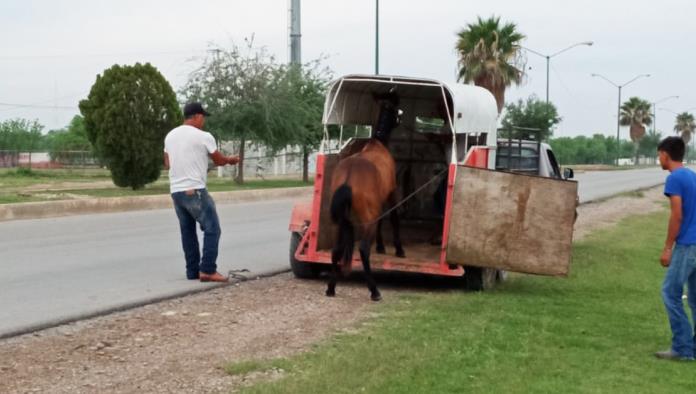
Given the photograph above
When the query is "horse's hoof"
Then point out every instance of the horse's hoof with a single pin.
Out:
(400, 253)
(376, 297)
(330, 293)
(380, 249)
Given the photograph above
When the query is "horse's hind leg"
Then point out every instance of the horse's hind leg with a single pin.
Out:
(394, 218)
(380, 242)
(336, 254)
(365, 245)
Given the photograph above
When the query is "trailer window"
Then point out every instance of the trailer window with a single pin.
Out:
(430, 125)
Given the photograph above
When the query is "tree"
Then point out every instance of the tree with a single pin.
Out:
(20, 135)
(533, 117)
(127, 114)
(489, 56)
(306, 89)
(648, 144)
(253, 98)
(685, 126)
(636, 114)
(64, 142)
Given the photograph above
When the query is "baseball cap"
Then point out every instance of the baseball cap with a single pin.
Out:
(194, 108)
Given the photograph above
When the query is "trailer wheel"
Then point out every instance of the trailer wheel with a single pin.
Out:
(479, 279)
(299, 268)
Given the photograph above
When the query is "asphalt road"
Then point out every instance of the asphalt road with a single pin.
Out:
(63, 268)
(59, 269)
(595, 185)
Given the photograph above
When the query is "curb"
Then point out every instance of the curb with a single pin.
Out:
(136, 304)
(609, 197)
(40, 210)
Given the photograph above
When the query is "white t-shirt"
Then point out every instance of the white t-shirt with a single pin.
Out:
(188, 149)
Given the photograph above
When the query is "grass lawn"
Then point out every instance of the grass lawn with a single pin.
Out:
(594, 331)
(49, 185)
(22, 177)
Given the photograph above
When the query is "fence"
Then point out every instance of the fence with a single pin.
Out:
(56, 159)
(279, 165)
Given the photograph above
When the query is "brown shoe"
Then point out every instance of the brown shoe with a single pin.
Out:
(216, 277)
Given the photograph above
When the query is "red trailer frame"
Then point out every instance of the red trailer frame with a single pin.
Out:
(305, 216)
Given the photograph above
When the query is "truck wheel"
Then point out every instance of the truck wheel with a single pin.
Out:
(299, 268)
(479, 279)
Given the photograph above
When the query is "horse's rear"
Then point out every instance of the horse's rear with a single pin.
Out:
(361, 185)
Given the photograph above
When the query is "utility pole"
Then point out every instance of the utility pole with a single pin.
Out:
(618, 113)
(295, 34)
(548, 59)
(376, 37)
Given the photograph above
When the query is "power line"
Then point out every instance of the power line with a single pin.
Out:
(73, 55)
(13, 105)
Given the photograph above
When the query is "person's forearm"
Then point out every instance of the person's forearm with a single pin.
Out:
(672, 230)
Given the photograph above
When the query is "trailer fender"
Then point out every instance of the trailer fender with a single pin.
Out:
(300, 216)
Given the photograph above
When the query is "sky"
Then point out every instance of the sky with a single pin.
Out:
(52, 51)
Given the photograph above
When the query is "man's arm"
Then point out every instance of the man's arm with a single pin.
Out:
(675, 219)
(220, 160)
(166, 161)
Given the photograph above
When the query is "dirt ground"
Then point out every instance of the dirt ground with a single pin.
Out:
(182, 345)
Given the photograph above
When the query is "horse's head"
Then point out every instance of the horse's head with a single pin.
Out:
(387, 116)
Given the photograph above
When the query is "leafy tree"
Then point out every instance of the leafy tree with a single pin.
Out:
(489, 55)
(305, 90)
(648, 144)
(64, 142)
(636, 114)
(253, 98)
(583, 150)
(127, 114)
(685, 126)
(21, 135)
(533, 117)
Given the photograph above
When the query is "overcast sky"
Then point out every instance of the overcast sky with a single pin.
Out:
(53, 50)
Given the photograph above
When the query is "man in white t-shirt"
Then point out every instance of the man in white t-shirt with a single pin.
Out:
(186, 152)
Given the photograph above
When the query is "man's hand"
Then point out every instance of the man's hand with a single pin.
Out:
(666, 257)
(232, 160)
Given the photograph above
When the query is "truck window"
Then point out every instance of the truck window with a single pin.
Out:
(554, 164)
(515, 159)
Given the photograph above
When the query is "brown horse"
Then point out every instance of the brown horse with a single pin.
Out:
(363, 184)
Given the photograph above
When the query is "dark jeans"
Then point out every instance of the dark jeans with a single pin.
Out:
(198, 207)
(681, 271)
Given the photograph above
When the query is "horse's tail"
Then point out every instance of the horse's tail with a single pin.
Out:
(341, 203)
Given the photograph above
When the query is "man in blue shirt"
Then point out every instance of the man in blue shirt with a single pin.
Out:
(679, 254)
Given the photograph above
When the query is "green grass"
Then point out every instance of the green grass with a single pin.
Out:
(24, 185)
(593, 332)
(24, 177)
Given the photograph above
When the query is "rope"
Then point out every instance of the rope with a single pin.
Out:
(403, 201)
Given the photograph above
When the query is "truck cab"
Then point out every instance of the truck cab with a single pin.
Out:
(529, 157)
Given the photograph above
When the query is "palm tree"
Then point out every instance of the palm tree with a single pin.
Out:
(636, 113)
(489, 56)
(685, 126)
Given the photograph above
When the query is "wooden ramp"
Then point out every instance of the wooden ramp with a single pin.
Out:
(512, 222)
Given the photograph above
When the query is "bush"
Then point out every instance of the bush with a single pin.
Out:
(127, 114)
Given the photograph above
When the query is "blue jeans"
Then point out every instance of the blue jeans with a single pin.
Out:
(682, 270)
(198, 207)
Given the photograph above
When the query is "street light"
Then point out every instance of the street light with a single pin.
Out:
(548, 60)
(618, 116)
(376, 37)
(654, 104)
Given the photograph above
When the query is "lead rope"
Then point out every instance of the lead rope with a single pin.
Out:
(403, 201)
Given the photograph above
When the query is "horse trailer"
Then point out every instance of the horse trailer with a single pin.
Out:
(460, 216)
